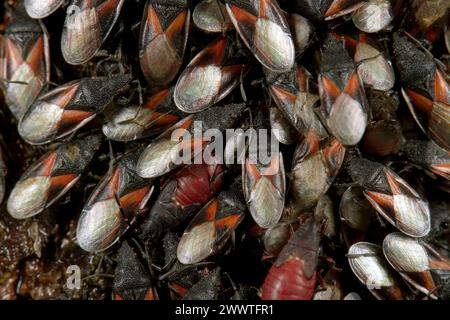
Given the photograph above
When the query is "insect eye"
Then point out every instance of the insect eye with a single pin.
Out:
(445, 225)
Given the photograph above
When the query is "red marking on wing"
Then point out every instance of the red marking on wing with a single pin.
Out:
(334, 155)
(350, 44)
(153, 23)
(243, 17)
(422, 103)
(178, 289)
(284, 96)
(176, 26)
(107, 9)
(312, 141)
(213, 54)
(13, 56)
(384, 204)
(131, 202)
(330, 88)
(62, 96)
(210, 213)
(252, 172)
(441, 89)
(399, 186)
(441, 169)
(71, 118)
(156, 99)
(112, 186)
(353, 85)
(58, 183)
(162, 119)
(337, 6)
(228, 222)
(302, 79)
(46, 166)
(35, 57)
(264, 8)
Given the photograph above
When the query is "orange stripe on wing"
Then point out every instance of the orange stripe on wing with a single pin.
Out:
(46, 166)
(156, 99)
(424, 104)
(176, 26)
(284, 96)
(130, 202)
(35, 57)
(59, 183)
(353, 85)
(330, 88)
(441, 89)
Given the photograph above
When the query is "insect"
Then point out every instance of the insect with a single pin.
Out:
(67, 108)
(167, 152)
(131, 122)
(372, 270)
(318, 10)
(24, 61)
(425, 91)
(210, 229)
(293, 276)
(264, 189)
(264, 29)
(294, 95)
(113, 205)
(391, 196)
(374, 15)
(344, 105)
(211, 16)
(416, 261)
(186, 192)
(164, 32)
(42, 9)
(209, 77)
(87, 25)
(314, 167)
(51, 177)
(131, 279)
(374, 68)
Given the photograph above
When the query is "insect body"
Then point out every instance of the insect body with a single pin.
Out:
(164, 33)
(24, 61)
(293, 275)
(113, 204)
(51, 177)
(67, 108)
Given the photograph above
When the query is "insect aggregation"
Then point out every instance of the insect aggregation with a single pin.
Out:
(100, 99)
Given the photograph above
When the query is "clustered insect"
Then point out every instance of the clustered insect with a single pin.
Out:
(97, 106)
